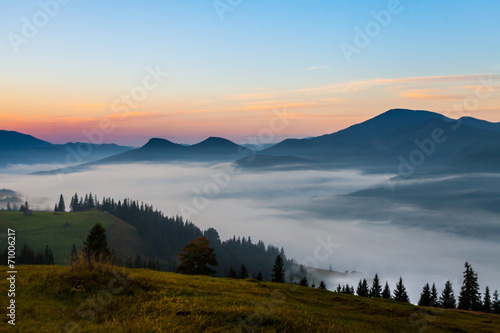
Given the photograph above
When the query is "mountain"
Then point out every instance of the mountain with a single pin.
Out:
(19, 148)
(160, 150)
(481, 124)
(384, 141)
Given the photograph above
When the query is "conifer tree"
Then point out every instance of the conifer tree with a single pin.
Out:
(496, 303)
(244, 272)
(487, 301)
(447, 299)
(362, 289)
(96, 245)
(232, 273)
(400, 294)
(259, 276)
(303, 282)
(434, 296)
(74, 253)
(322, 285)
(470, 297)
(61, 207)
(278, 274)
(376, 289)
(425, 296)
(386, 293)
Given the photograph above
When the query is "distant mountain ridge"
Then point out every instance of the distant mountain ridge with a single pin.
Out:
(19, 148)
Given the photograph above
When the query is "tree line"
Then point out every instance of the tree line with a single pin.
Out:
(166, 237)
(28, 256)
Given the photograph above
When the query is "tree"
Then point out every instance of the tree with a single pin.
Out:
(61, 207)
(434, 296)
(487, 301)
(400, 294)
(387, 291)
(322, 285)
(232, 273)
(196, 257)
(96, 245)
(303, 282)
(259, 276)
(56, 209)
(244, 272)
(470, 297)
(74, 254)
(425, 296)
(8, 207)
(376, 289)
(362, 289)
(48, 256)
(496, 303)
(447, 299)
(278, 274)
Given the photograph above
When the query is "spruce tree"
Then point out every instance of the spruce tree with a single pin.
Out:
(470, 297)
(487, 301)
(386, 293)
(96, 245)
(400, 294)
(303, 282)
(243, 272)
(232, 273)
(425, 296)
(376, 289)
(434, 296)
(362, 289)
(74, 254)
(61, 207)
(278, 274)
(447, 299)
(496, 303)
(322, 285)
(259, 276)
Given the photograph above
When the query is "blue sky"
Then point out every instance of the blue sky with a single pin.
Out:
(90, 52)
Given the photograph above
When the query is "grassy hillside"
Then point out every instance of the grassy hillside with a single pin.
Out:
(59, 299)
(47, 228)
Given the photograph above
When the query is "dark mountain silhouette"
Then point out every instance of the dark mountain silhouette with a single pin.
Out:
(19, 148)
(481, 124)
(161, 150)
(384, 141)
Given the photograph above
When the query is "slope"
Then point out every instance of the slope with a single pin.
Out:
(56, 299)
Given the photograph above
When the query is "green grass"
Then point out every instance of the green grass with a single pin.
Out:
(47, 228)
(52, 299)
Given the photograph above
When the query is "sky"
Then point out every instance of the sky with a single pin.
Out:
(126, 71)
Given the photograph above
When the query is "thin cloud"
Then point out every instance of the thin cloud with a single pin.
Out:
(318, 67)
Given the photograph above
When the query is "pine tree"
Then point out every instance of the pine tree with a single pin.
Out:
(278, 274)
(447, 299)
(61, 207)
(387, 291)
(48, 256)
(496, 303)
(244, 272)
(376, 289)
(470, 297)
(339, 289)
(434, 296)
(259, 276)
(322, 285)
(56, 209)
(400, 294)
(425, 296)
(8, 207)
(232, 273)
(487, 301)
(362, 289)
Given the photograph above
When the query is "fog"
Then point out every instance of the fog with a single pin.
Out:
(421, 229)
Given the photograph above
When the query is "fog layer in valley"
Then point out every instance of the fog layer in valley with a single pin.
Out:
(422, 229)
